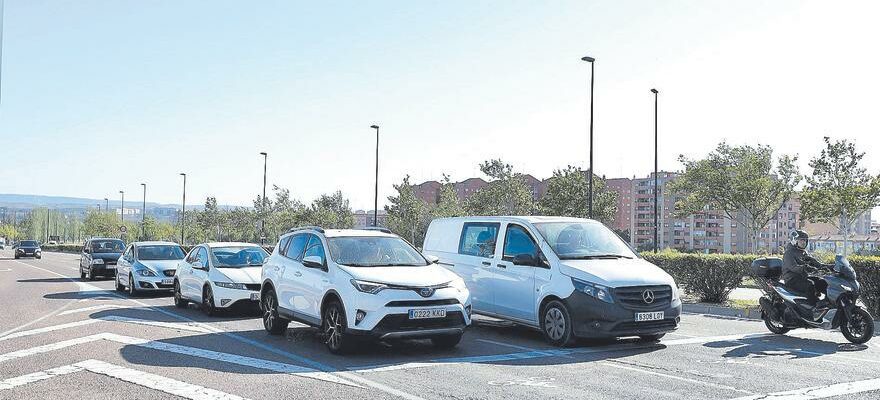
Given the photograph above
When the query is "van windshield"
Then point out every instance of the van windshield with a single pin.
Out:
(583, 240)
(374, 251)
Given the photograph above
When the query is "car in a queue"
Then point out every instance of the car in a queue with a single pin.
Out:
(98, 257)
(220, 276)
(148, 267)
(361, 284)
(568, 277)
(27, 248)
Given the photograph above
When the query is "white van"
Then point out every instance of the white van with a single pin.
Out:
(568, 277)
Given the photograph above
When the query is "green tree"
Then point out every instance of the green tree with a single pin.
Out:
(448, 203)
(158, 230)
(739, 181)
(103, 224)
(407, 214)
(568, 193)
(839, 189)
(506, 194)
(329, 211)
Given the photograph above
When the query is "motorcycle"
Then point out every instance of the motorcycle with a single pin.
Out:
(783, 310)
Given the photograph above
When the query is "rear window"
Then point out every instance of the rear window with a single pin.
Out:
(478, 239)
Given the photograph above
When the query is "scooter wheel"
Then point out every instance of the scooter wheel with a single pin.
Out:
(775, 327)
(860, 326)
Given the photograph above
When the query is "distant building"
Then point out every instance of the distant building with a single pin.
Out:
(364, 218)
(834, 243)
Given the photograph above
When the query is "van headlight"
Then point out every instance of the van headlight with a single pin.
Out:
(594, 290)
(368, 287)
(230, 285)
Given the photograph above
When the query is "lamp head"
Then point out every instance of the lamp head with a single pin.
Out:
(655, 91)
(374, 126)
(588, 59)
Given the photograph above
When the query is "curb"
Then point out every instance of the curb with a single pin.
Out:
(721, 311)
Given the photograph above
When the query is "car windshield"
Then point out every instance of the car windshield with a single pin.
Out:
(107, 246)
(238, 256)
(583, 240)
(28, 243)
(160, 252)
(374, 251)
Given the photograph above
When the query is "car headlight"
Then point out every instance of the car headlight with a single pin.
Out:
(457, 284)
(230, 285)
(146, 272)
(97, 261)
(674, 291)
(368, 287)
(597, 291)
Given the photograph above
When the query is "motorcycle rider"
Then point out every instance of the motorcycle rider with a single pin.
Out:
(797, 265)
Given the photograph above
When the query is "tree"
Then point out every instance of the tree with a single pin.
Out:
(448, 203)
(157, 230)
(407, 214)
(739, 181)
(101, 224)
(568, 193)
(506, 193)
(839, 189)
(329, 211)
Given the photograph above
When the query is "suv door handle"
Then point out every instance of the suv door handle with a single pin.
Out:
(486, 263)
(499, 265)
(297, 273)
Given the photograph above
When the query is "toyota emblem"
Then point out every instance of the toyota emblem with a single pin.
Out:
(426, 292)
(648, 296)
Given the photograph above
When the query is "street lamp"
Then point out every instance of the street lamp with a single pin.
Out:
(144, 213)
(656, 180)
(183, 211)
(263, 211)
(122, 207)
(376, 192)
(592, 62)
(106, 205)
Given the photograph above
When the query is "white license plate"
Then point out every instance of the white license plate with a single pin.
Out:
(168, 281)
(255, 296)
(649, 316)
(427, 313)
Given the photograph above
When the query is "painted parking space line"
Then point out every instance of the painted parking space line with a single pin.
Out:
(109, 318)
(674, 377)
(52, 328)
(518, 347)
(10, 383)
(93, 308)
(820, 392)
(49, 315)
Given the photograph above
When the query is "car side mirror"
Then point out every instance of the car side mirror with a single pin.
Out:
(313, 262)
(87, 251)
(432, 259)
(525, 259)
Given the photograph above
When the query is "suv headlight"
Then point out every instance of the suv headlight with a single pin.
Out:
(368, 287)
(457, 284)
(230, 285)
(97, 261)
(597, 291)
(145, 272)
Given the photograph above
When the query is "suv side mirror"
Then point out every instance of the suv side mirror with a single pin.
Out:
(525, 259)
(313, 262)
(432, 259)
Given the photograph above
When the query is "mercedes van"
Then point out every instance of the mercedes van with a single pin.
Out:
(569, 277)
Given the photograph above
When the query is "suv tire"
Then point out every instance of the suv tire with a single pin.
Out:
(272, 321)
(333, 327)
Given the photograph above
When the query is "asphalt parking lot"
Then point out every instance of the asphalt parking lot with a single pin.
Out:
(64, 338)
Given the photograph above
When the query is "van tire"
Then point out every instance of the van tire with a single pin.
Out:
(556, 324)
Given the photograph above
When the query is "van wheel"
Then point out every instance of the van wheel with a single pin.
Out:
(556, 323)
(179, 301)
(333, 327)
(272, 322)
(446, 342)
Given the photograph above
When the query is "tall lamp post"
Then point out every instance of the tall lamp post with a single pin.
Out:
(263, 202)
(144, 213)
(656, 180)
(592, 62)
(122, 207)
(106, 205)
(183, 212)
(376, 190)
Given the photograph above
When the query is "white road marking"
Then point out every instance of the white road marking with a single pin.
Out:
(51, 314)
(48, 347)
(820, 392)
(48, 329)
(518, 347)
(161, 324)
(679, 378)
(10, 383)
(92, 308)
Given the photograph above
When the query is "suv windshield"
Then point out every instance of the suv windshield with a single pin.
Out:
(583, 240)
(160, 252)
(107, 246)
(238, 256)
(28, 243)
(374, 251)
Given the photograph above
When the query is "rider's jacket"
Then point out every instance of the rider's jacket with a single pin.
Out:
(795, 262)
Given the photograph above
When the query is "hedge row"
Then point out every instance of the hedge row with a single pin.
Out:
(62, 248)
(711, 277)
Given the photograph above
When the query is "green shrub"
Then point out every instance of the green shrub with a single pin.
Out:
(709, 277)
(62, 248)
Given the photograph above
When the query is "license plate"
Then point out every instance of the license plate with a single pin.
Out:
(255, 296)
(649, 316)
(427, 313)
(168, 281)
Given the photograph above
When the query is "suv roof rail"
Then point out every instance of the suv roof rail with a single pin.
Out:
(377, 228)
(308, 227)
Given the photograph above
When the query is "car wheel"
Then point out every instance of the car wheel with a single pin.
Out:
(333, 327)
(208, 302)
(119, 287)
(556, 324)
(272, 322)
(179, 301)
(132, 290)
(447, 341)
(91, 274)
(651, 338)
(82, 274)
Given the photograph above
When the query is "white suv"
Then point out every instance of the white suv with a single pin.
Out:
(361, 284)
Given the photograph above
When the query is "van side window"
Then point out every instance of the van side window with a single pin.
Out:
(478, 239)
(518, 241)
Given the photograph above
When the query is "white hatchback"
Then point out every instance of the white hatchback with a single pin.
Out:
(220, 276)
(361, 284)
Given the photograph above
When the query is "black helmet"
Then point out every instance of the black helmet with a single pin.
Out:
(798, 235)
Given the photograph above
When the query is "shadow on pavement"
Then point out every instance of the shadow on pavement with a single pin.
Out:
(791, 347)
(48, 280)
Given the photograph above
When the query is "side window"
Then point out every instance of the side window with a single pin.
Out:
(127, 255)
(85, 246)
(191, 257)
(297, 244)
(518, 241)
(478, 239)
(282, 246)
(203, 256)
(315, 248)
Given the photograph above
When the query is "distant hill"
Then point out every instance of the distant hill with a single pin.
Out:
(32, 201)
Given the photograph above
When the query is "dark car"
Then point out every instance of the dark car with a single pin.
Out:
(99, 256)
(28, 248)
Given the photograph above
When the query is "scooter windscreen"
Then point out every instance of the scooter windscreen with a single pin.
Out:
(841, 266)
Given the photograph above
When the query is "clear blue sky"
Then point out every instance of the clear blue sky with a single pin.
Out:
(99, 96)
